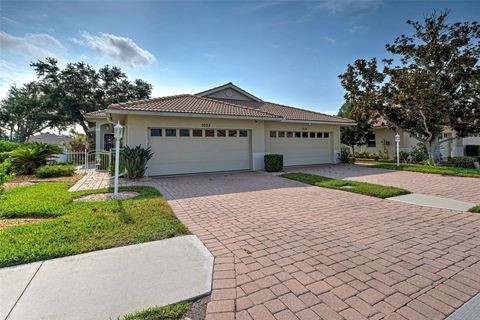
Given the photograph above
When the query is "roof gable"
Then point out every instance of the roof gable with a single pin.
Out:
(228, 91)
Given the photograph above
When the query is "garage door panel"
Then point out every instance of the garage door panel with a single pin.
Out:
(303, 151)
(179, 155)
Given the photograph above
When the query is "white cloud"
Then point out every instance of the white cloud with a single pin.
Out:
(121, 49)
(330, 40)
(37, 45)
(357, 29)
(335, 6)
(12, 74)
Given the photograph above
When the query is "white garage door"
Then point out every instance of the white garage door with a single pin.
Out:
(302, 148)
(183, 150)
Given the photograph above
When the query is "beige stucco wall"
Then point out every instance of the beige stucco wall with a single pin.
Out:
(229, 94)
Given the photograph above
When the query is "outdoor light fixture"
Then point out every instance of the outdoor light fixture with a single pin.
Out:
(117, 133)
(397, 144)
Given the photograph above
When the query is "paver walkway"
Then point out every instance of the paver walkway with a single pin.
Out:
(93, 179)
(285, 250)
(459, 188)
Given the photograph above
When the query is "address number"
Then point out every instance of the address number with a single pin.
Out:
(206, 125)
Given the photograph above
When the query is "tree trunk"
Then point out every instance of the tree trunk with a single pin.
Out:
(433, 149)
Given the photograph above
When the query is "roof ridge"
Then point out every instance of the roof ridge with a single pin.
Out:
(238, 106)
(306, 110)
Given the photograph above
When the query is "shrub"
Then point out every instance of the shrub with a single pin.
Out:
(464, 162)
(419, 153)
(29, 157)
(345, 155)
(273, 162)
(404, 156)
(6, 146)
(5, 174)
(135, 160)
(53, 171)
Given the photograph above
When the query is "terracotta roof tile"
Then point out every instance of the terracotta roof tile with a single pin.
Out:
(287, 112)
(187, 103)
(96, 114)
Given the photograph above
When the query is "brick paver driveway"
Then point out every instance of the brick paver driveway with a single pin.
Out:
(285, 250)
(458, 188)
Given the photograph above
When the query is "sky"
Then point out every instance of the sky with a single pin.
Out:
(289, 52)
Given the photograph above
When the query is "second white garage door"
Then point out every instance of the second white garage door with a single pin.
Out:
(183, 150)
(302, 147)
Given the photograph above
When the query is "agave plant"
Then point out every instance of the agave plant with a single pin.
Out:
(135, 161)
(29, 157)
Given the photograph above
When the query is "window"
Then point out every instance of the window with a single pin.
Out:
(281, 134)
(298, 134)
(319, 135)
(312, 134)
(304, 134)
(171, 132)
(184, 132)
(209, 133)
(197, 133)
(371, 140)
(273, 134)
(156, 132)
(232, 133)
(243, 133)
(221, 133)
(326, 134)
(289, 134)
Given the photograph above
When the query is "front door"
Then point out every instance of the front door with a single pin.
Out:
(108, 141)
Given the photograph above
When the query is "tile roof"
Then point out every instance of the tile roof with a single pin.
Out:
(289, 113)
(187, 103)
(96, 114)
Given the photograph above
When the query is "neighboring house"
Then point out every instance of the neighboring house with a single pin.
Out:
(50, 138)
(220, 129)
(383, 139)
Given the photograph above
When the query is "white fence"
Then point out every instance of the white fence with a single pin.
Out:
(93, 159)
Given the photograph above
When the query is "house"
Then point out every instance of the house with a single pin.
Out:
(50, 138)
(221, 129)
(382, 139)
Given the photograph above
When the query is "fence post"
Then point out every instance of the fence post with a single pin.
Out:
(86, 160)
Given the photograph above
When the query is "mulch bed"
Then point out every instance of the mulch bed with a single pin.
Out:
(5, 223)
(198, 309)
(22, 181)
(107, 196)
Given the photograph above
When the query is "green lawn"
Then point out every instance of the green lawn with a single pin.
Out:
(172, 312)
(79, 227)
(368, 189)
(448, 171)
(475, 209)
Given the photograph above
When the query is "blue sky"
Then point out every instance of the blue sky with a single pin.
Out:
(283, 51)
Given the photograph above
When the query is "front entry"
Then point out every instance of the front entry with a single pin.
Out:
(108, 141)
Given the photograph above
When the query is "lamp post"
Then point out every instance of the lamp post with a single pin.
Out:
(118, 132)
(397, 144)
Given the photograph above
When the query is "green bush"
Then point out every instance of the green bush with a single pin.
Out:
(53, 171)
(464, 162)
(135, 161)
(6, 146)
(27, 158)
(5, 174)
(419, 153)
(273, 162)
(345, 155)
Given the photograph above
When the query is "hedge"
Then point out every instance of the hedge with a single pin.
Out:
(273, 162)
(53, 171)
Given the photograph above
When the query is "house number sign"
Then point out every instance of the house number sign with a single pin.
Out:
(206, 125)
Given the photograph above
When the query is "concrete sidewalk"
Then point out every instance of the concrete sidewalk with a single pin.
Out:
(108, 283)
(433, 201)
